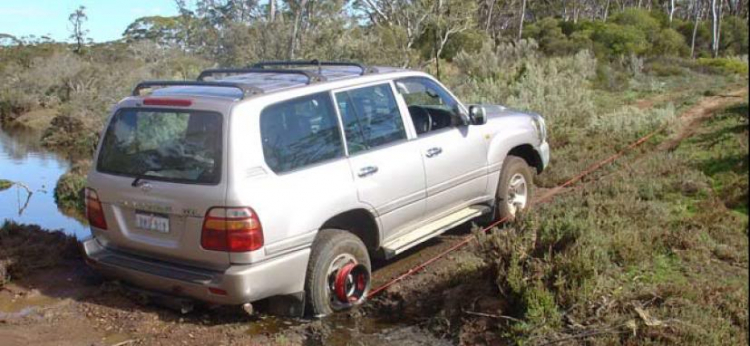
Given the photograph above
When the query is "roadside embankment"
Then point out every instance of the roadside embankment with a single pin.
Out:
(28, 248)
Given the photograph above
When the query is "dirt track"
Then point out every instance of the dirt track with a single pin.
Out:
(69, 305)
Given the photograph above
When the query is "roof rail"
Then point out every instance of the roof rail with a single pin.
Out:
(246, 89)
(312, 77)
(319, 64)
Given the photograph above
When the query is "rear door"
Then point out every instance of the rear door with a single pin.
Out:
(157, 173)
(386, 166)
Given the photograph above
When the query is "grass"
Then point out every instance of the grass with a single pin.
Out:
(653, 253)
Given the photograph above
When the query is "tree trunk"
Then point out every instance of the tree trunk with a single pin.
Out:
(714, 29)
(489, 16)
(718, 26)
(271, 10)
(695, 27)
(671, 10)
(606, 11)
(523, 16)
(295, 27)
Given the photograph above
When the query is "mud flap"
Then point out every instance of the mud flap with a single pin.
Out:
(292, 305)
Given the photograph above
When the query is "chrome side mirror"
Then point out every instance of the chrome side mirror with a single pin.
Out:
(477, 115)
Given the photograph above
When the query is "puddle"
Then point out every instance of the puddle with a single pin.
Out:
(22, 159)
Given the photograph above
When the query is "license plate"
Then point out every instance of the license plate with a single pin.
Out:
(152, 222)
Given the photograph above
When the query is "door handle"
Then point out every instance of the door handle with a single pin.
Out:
(369, 170)
(434, 151)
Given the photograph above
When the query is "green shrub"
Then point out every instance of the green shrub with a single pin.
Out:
(639, 19)
(69, 188)
(669, 43)
(618, 39)
(610, 79)
(726, 65)
(5, 184)
(734, 36)
(664, 68)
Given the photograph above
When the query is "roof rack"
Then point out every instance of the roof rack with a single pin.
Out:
(312, 77)
(246, 89)
(319, 64)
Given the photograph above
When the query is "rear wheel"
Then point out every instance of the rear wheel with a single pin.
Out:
(514, 190)
(338, 274)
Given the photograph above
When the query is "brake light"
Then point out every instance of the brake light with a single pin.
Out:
(167, 102)
(94, 210)
(232, 230)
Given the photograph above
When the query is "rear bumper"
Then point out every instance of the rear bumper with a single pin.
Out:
(283, 275)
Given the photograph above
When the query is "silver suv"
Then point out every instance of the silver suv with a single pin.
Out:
(281, 183)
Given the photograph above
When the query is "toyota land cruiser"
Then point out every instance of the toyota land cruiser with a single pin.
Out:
(285, 179)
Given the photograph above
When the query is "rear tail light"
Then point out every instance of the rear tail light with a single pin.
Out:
(231, 229)
(94, 210)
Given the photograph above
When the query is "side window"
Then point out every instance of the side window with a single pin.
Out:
(431, 108)
(371, 117)
(300, 132)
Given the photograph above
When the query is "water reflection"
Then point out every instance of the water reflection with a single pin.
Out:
(23, 159)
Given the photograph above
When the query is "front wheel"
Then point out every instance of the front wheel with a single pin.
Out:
(338, 274)
(514, 190)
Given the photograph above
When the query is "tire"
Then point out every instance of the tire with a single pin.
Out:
(515, 169)
(331, 245)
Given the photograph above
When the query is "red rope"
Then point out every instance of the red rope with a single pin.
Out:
(544, 199)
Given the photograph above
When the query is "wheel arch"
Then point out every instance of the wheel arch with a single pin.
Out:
(360, 222)
(529, 154)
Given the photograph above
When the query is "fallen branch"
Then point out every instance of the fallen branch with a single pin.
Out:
(7, 184)
(482, 314)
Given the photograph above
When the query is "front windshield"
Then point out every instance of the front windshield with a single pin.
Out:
(171, 145)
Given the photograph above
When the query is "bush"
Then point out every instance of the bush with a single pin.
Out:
(640, 19)
(734, 36)
(669, 43)
(69, 188)
(618, 39)
(726, 65)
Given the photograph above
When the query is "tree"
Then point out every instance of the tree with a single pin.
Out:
(410, 16)
(698, 10)
(162, 30)
(298, 8)
(523, 16)
(271, 10)
(714, 29)
(450, 18)
(77, 32)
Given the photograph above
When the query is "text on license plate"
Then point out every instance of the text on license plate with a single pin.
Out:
(152, 222)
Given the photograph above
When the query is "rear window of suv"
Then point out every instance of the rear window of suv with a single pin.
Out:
(171, 145)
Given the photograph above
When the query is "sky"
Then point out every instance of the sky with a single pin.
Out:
(107, 18)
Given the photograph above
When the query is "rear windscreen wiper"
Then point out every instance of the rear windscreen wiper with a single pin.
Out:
(141, 176)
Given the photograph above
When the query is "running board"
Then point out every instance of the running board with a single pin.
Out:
(432, 229)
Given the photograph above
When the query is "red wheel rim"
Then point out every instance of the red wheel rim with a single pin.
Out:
(351, 283)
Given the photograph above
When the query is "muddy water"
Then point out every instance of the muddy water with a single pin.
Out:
(22, 159)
